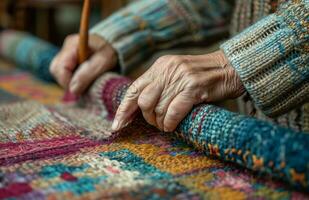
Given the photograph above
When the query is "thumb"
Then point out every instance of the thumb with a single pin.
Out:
(64, 63)
(90, 70)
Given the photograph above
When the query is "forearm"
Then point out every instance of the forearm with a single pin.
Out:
(149, 25)
(272, 58)
(249, 142)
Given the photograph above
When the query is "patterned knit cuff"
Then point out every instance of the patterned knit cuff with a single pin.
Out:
(132, 30)
(271, 57)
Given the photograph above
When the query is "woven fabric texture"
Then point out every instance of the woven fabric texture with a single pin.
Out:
(63, 151)
(268, 45)
(67, 151)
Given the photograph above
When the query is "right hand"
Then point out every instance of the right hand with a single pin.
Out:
(63, 67)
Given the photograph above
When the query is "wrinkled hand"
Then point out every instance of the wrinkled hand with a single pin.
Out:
(174, 84)
(76, 78)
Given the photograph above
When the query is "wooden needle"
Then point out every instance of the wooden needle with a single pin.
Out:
(83, 50)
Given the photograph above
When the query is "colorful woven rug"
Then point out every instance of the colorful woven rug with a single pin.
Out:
(60, 151)
(48, 152)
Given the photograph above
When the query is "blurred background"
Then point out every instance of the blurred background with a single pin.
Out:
(52, 20)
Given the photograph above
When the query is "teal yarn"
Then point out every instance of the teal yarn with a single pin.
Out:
(251, 143)
(28, 52)
(258, 145)
(36, 55)
(52, 171)
(136, 163)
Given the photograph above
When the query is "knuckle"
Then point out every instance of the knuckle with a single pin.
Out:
(185, 69)
(144, 103)
(61, 73)
(178, 59)
(70, 38)
(193, 81)
(163, 58)
(81, 78)
(52, 69)
(132, 92)
(159, 111)
(55, 71)
(53, 65)
(173, 115)
(121, 109)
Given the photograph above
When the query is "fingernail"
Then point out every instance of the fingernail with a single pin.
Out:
(115, 125)
(166, 129)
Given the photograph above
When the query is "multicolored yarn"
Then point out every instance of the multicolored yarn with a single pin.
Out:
(19, 85)
(48, 152)
(272, 60)
(146, 26)
(28, 52)
(45, 154)
(271, 55)
(254, 144)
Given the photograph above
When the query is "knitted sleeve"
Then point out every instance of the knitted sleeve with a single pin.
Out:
(272, 58)
(148, 25)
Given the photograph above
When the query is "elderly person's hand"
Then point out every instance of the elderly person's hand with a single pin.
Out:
(76, 78)
(174, 84)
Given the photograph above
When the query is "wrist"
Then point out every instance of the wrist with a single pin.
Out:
(233, 84)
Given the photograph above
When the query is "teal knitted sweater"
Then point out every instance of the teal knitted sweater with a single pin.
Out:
(268, 47)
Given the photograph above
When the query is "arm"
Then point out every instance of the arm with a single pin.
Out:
(255, 144)
(149, 25)
(272, 58)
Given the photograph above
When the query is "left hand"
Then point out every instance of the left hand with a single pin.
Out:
(168, 90)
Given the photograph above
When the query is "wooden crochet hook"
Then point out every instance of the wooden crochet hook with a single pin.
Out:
(83, 50)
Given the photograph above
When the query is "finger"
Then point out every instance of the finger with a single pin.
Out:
(61, 73)
(68, 58)
(63, 77)
(90, 70)
(64, 64)
(68, 54)
(129, 104)
(177, 110)
(148, 99)
(161, 108)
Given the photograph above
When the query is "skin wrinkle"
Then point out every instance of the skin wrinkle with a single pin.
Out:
(184, 81)
(145, 103)
(178, 82)
(171, 90)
